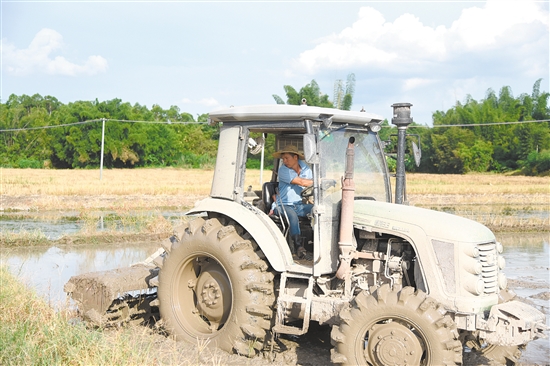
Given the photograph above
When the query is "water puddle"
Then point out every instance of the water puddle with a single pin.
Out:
(528, 271)
(54, 225)
(48, 269)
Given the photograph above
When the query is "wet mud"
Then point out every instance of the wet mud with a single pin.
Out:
(527, 269)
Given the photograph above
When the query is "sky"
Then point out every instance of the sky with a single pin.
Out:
(205, 55)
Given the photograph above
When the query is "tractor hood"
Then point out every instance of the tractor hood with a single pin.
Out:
(384, 217)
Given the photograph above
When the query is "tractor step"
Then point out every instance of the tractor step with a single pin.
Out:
(285, 302)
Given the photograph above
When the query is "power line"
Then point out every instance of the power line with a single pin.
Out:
(99, 120)
(159, 122)
(477, 124)
(485, 124)
(200, 123)
(54, 126)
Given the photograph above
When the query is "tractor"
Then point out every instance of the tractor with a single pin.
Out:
(398, 284)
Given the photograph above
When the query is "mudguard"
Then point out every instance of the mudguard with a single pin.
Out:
(257, 224)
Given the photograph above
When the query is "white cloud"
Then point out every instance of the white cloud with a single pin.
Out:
(408, 46)
(478, 28)
(413, 83)
(38, 58)
(208, 102)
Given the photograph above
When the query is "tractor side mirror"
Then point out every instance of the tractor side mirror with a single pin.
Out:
(310, 149)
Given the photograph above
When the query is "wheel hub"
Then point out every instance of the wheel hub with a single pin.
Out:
(393, 344)
(213, 291)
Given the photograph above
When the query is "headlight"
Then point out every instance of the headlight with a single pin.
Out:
(374, 126)
(502, 281)
(475, 285)
(501, 262)
(471, 251)
(473, 266)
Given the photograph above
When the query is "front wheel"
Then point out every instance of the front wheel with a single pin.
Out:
(493, 354)
(501, 355)
(215, 286)
(391, 327)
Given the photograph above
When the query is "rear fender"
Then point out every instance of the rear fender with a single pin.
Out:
(257, 224)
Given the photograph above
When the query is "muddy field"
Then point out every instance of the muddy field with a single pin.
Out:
(310, 349)
(528, 276)
(314, 347)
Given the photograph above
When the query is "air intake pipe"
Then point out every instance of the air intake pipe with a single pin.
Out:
(402, 119)
(346, 214)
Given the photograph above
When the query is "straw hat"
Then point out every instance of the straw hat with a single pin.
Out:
(289, 149)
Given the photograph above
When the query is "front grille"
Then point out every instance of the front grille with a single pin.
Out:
(488, 258)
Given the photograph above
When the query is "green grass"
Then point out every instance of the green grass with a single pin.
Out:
(33, 333)
(23, 239)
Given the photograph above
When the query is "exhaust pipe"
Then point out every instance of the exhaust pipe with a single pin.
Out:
(346, 214)
(402, 119)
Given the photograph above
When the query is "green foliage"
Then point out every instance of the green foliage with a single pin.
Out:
(313, 96)
(311, 93)
(537, 163)
(475, 158)
(490, 147)
(346, 103)
(28, 163)
(127, 144)
(191, 160)
(457, 149)
(344, 99)
(392, 164)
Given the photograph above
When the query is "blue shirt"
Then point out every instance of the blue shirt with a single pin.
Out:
(290, 193)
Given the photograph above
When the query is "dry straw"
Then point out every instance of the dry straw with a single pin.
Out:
(493, 199)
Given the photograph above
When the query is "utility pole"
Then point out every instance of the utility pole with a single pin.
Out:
(102, 146)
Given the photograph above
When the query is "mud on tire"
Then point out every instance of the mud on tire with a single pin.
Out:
(492, 354)
(395, 328)
(215, 285)
(501, 355)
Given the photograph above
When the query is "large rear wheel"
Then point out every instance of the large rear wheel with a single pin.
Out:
(395, 328)
(215, 285)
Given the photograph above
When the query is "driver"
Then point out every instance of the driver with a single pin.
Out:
(294, 175)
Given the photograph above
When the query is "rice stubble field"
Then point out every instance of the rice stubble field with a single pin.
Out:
(502, 202)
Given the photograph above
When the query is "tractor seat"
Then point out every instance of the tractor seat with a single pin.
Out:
(269, 190)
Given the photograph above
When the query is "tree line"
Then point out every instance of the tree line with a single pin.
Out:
(473, 139)
(182, 142)
(482, 141)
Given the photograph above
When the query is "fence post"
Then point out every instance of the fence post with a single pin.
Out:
(102, 146)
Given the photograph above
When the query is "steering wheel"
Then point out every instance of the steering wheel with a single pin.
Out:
(307, 192)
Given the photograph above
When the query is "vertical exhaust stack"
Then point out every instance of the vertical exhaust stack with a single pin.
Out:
(402, 119)
(346, 213)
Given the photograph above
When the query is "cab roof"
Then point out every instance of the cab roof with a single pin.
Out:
(284, 112)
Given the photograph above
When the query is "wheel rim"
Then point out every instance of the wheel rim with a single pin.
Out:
(202, 295)
(390, 342)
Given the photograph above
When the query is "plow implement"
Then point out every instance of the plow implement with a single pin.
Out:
(119, 296)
